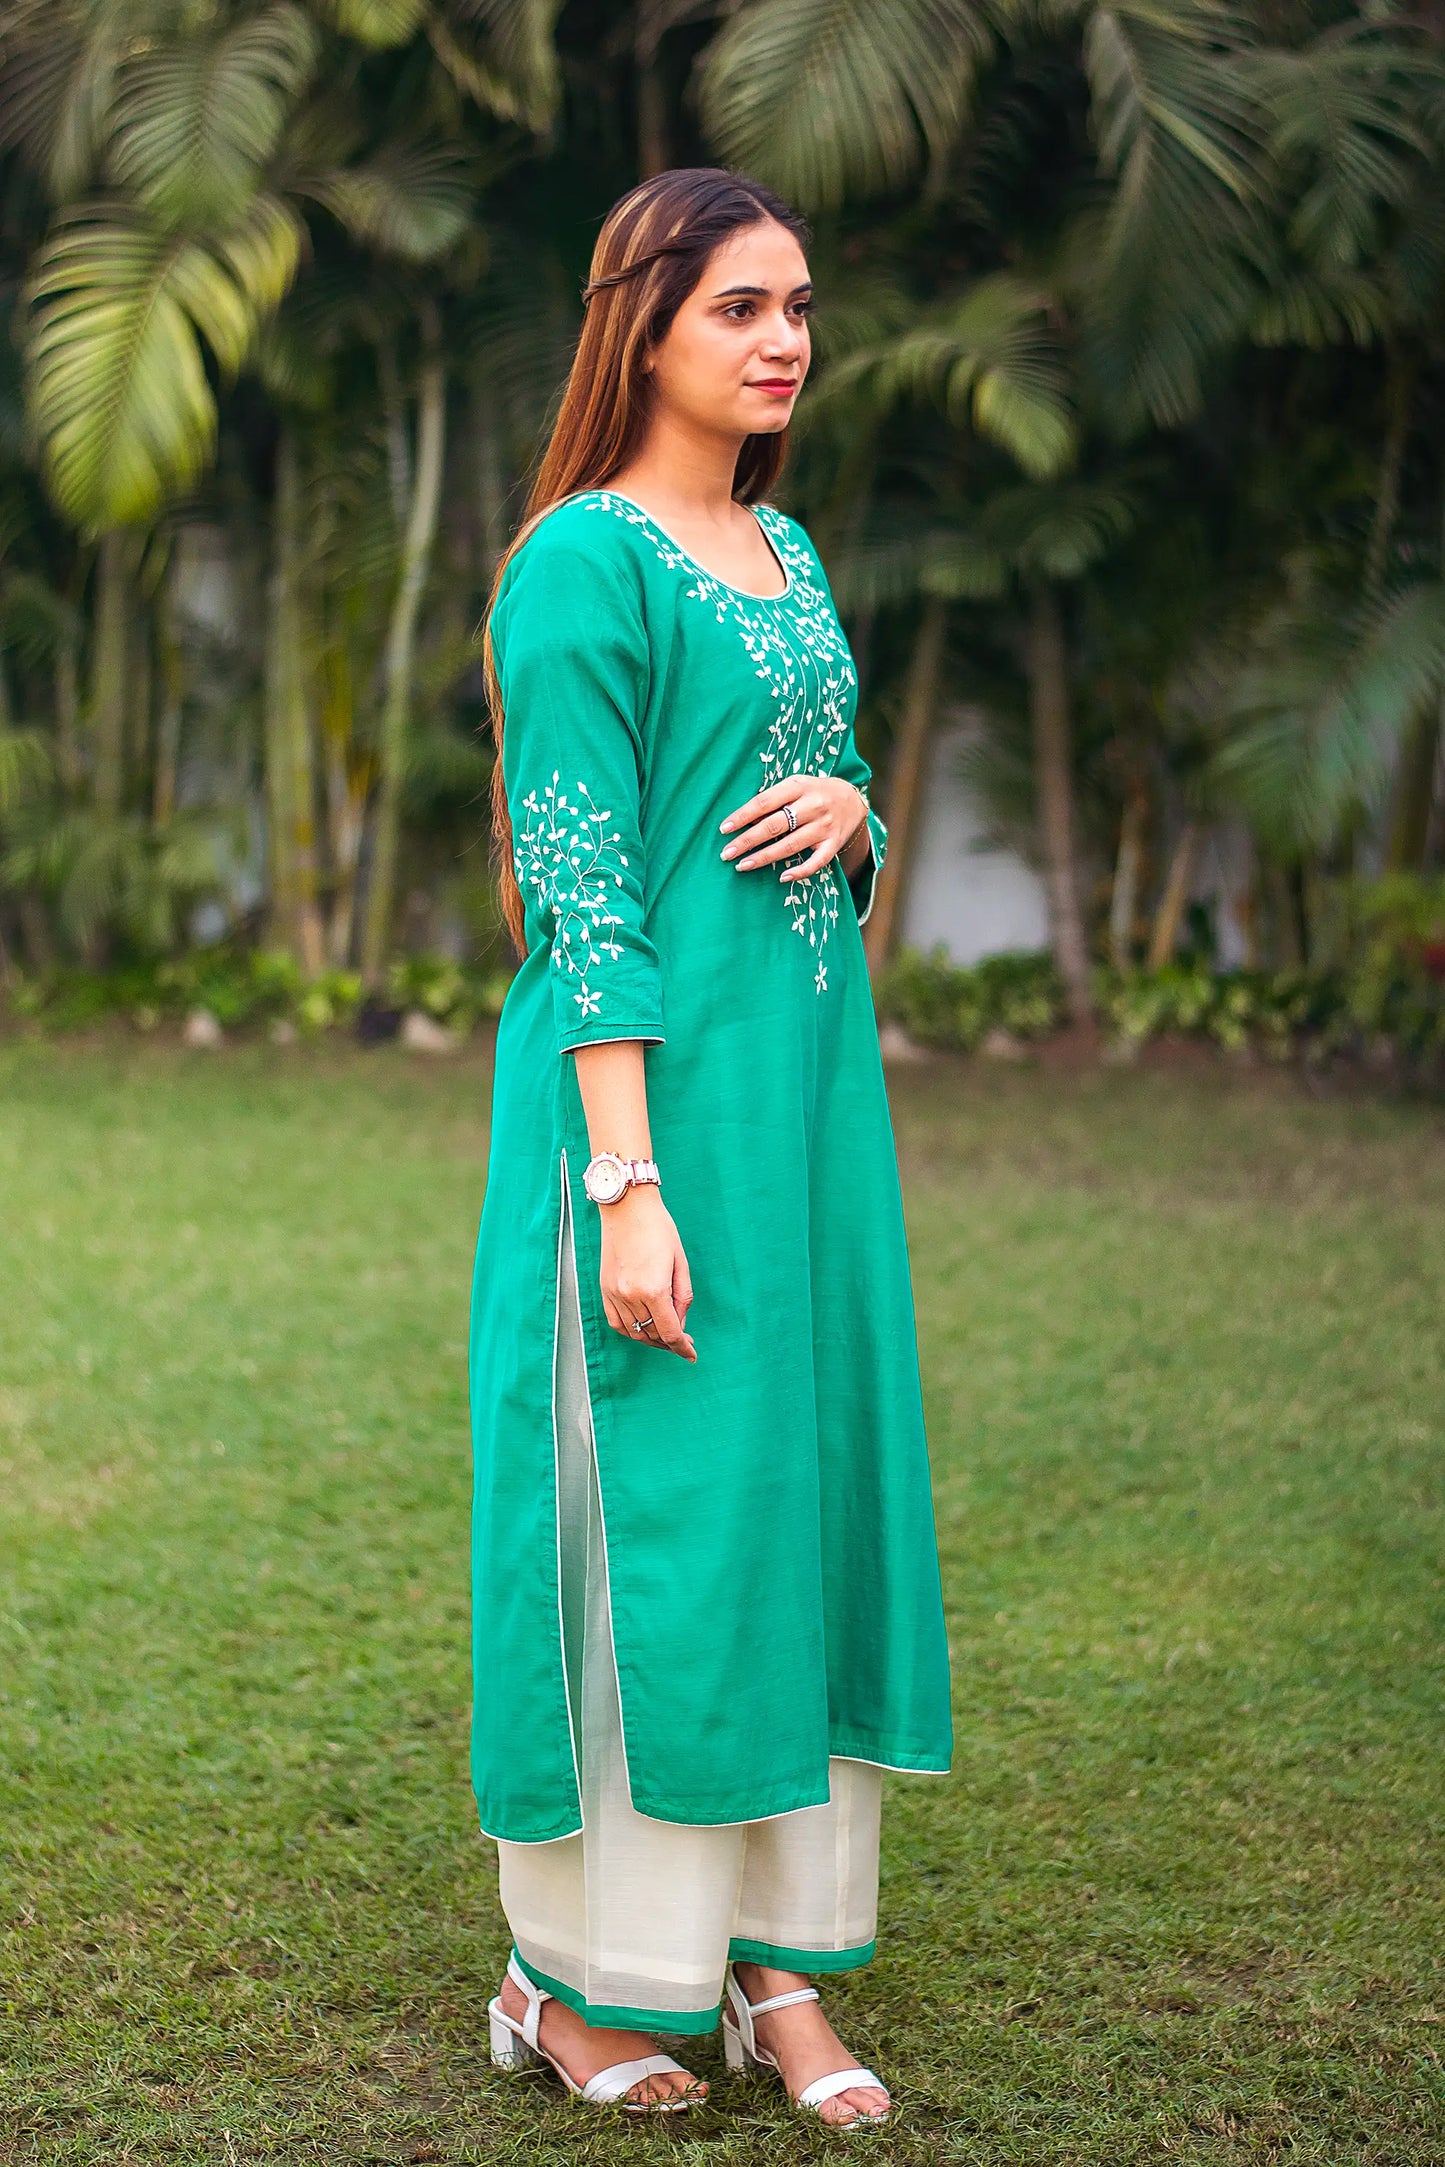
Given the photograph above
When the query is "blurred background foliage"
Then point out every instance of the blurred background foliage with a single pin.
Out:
(1124, 428)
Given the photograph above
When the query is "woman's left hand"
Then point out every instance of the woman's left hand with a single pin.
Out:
(829, 814)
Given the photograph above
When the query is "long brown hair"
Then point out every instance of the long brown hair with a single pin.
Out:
(652, 250)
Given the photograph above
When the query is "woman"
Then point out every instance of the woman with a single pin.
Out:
(707, 1608)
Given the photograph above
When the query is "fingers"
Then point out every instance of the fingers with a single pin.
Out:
(766, 801)
(773, 829)
(820, 827)
(808, 835)
(820, 857)
(662, 1325)
(667, 1324)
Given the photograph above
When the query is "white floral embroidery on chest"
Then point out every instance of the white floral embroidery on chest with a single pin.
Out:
(798, 651)
(570, 857)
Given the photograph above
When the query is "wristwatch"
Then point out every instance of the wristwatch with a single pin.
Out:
(607, 1177)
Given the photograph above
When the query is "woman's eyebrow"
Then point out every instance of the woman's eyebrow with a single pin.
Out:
(724, 291)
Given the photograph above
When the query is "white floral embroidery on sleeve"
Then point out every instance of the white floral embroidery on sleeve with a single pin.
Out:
(570, 859)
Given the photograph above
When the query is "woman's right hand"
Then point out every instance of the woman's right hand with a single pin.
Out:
(644, 1272)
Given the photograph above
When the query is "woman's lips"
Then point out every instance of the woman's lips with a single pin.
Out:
(780, 387)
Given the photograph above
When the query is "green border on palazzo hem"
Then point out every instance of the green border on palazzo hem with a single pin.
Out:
(685, 2021)
(779, 1958)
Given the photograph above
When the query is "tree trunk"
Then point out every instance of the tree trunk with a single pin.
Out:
(1124, 902)
(1399, 393)
(67, 717)
(398, 451)
(906, 781)
(346, 791)
(168, 725)
(1048, 672)
(140, 694)
(653, 155)
(1415, 793)
(39, 945)
(1299, 904)
(400, 657)
(1170, 914)
(108, 671)
(1413, 797)
(491, 487)
(290, 786)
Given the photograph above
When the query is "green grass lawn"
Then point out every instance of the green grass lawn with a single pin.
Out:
(1181, 1898)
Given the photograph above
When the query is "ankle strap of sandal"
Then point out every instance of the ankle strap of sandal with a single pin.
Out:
(782, 2001)
(535, 1996)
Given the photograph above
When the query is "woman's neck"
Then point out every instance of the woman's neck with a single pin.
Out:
(684, 474)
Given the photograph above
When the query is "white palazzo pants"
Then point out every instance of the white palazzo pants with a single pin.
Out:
(632, 1921)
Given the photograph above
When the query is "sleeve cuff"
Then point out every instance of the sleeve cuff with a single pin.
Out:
(651, 1033)
(863, 884)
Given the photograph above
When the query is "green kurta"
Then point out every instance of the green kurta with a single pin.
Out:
(769, 1524)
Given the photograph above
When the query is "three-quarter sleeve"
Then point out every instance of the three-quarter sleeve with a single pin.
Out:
(572, 660)
(863, 883)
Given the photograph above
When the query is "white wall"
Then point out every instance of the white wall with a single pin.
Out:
(977, 902)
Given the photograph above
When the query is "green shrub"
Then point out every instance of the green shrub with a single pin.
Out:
(250, 988)
(942, 1003)
(454, 993)
(1278, 1013)
(1392, 998)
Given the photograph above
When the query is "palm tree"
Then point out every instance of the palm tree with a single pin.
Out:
(188, 159)
(1227, 192)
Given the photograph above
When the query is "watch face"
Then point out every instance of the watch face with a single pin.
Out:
(605, 1179)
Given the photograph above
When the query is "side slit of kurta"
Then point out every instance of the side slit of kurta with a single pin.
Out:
(593, 1479)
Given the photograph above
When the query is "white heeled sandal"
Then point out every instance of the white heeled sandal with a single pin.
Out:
(740, 2046)
(515, 2045)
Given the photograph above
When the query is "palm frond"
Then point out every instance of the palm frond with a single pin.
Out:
(1168, 276)
(412, 201)
(876, 570)
(964, 567)
(1056, 531)
(991, 358)
(512, 71)
(378, 23)
(197, 118)
(119, 310)
(1318, 309)
(1343, 124)
(60, 61)
(826, 98)
(1315, 715)
(25, 765)
(105, 871)
(38, 623)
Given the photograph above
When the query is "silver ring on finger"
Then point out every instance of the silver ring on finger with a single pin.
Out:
(640, 1324)
(791, 817)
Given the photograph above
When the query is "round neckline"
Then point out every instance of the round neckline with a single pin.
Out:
(750, 593)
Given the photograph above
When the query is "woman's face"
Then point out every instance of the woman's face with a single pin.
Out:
(737, 350)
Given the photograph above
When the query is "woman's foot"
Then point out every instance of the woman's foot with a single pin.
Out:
(806, 2045)
(586, 2049)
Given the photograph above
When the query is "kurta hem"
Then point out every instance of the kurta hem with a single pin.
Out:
(887, 1753)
